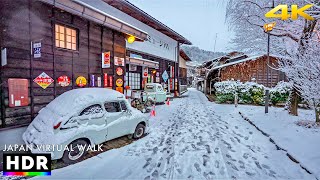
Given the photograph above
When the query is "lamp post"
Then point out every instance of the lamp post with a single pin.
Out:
(268, 28)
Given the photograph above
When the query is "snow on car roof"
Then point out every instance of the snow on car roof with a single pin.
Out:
(75, 100)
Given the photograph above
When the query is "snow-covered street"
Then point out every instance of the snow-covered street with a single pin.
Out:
(191, 139)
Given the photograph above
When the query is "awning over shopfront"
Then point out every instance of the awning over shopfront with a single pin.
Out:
(142, 62)
(89, 12)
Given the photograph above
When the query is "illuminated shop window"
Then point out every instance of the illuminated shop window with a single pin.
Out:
(66, 37)
(134, 80)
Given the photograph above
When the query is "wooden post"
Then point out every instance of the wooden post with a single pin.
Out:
(266, 101)
(236, 100)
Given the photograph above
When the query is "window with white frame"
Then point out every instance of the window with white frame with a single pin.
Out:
(133, 80)
(66, 37)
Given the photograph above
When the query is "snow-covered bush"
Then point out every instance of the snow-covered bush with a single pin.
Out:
(251, 92)
(226, 90)
(280, 93)
(248, 92)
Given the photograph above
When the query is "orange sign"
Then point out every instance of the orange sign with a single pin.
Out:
(81, 81)
(119, 82)
(119, 89)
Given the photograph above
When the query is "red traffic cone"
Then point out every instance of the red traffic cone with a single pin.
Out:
(168, 102)
(153, 111)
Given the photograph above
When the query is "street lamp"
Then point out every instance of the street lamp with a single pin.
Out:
(268, 28)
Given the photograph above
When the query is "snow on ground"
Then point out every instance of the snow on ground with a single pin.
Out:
(191, 139)
(302, 143)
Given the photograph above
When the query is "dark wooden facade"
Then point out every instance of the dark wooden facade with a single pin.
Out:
(26, 21)
(254, 69)
(163, 65)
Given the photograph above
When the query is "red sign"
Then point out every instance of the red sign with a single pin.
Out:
(119, 71)
(18, 92)
(145, 72)
(110, 81)
(105, 80)
(106, 59)
(43, 80)
(64, 81)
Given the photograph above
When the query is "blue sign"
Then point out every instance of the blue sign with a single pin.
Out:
(165, 76)
(37, 50)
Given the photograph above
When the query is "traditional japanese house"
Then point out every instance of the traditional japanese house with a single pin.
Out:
(254, 68)
(150, 60)
(183, 80)
(52, 46)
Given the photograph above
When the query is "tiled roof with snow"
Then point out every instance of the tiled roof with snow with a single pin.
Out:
(252, 58)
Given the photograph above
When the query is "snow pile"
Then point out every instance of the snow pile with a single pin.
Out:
(299, 141)
(308, 124)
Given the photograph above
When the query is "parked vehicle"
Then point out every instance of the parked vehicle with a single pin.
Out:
(143, 106)
(154, 91)
(88, 116)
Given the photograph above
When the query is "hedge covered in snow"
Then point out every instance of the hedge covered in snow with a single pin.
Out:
(250, 92)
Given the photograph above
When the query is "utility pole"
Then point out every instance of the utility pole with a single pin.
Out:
(268, 28)
(215, 42)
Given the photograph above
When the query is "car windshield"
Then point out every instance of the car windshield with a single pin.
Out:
(149, 88)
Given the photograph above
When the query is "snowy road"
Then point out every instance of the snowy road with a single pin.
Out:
(192, 139)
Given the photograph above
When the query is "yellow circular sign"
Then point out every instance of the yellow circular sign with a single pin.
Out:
(119, 82)
(81, 81)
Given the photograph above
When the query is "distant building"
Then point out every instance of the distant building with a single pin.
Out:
(183, 59)
(238, 66)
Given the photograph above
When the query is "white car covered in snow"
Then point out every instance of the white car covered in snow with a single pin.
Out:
(84, 117)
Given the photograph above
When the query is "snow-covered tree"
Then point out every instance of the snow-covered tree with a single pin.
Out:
(297, 40)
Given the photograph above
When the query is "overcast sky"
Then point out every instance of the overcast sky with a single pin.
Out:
(198, 21)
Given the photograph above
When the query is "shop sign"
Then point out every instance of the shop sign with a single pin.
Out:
(110, 81)
(165, 76)
(135, 56)
(149, 78)
(18, 92)
(119, 82)
(105, 80)
(171, 71)
(92, 80)
(119, 71)
(81, 81)
(64, 81)
(119, 89)
(176, 84)
(37, 50)
(99, 81)
(118, 61)
(145, 72)
(132, 67)
(106, 59)
(43, 80)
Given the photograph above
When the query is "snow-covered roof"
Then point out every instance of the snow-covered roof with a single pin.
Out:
(76, 99)
(252, 58)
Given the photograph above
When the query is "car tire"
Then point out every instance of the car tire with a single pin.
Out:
(139, 132)
(70, 157)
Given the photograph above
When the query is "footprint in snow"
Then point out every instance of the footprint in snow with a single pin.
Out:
(216, 164)
(197, 166)
(155, 174)
(205, 160)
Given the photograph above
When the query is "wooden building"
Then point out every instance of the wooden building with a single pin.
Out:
(249, 69)
(157, 55)
(183, 79)
(72, 40)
